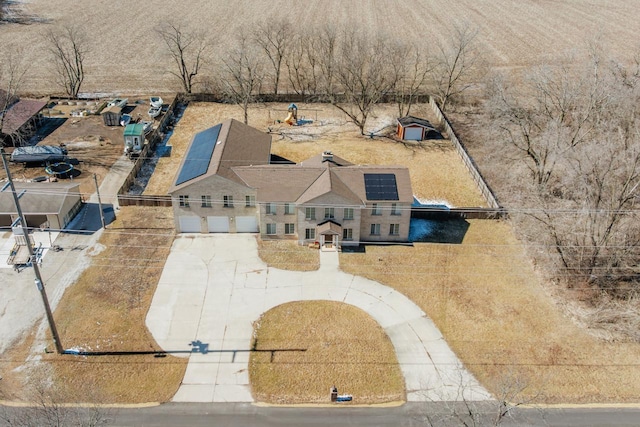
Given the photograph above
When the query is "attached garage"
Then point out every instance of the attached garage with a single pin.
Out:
(218, 224)
(246, 224)
(189, 224)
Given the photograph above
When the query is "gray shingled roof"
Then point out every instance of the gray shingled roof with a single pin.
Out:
(40, 198)
(411, 120)
(239, 145)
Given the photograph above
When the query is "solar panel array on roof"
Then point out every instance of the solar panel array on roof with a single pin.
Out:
(380, 186)
(199, 155)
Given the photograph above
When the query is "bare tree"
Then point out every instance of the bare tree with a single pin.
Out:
(558, 113)
(364, 75)
(325, 47)
(12, 72)
(455, 63)
(302, 64)
(274, 36)
(242, 75)
(47, 409)
(411, 67)
(187, 49)
(68, 47)
(577, 131)
(514, 390)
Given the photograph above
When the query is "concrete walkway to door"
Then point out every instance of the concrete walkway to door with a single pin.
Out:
(213, 287)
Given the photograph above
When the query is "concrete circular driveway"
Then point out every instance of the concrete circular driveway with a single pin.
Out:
(213, 287)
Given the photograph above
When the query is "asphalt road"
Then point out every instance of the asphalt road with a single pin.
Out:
(408, 415)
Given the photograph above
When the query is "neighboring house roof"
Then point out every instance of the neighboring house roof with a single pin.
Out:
(411, 120)
(41, 198)
(20, 113)
(217, 150)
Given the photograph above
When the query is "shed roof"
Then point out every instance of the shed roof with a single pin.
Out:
(112, 110)
(20, 113)
(411, 120)
(135, 129)
(40, 198)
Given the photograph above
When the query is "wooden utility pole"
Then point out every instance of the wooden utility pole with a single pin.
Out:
(34, 261)
(95, 179)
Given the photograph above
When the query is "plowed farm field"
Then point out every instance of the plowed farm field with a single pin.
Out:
(127, 56)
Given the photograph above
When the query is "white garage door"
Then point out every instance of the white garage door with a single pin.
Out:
(189, 224)
(413, 134)
(218, 224)
(246, 224)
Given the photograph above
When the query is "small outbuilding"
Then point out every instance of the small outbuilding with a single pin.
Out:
(111, 115)
(415, 129)
(133, 138)
(19, 117)
(49, 205)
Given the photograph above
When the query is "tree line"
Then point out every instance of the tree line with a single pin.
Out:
(346, 67)
(569, 144)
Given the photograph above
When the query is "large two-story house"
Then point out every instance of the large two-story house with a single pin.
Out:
(227, 184)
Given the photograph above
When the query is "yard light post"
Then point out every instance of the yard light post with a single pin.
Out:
(36, 270)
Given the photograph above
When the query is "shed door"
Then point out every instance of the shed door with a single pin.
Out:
(189, 224)
(218, 224)
(413, 134)
(246, 224)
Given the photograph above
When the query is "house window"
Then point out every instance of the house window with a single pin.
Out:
(289, 208)
(271, 228)
(395, 209)
(394, 229)
(184, 201)
(309, 213)
(375, 229)
(271, 208)
(289, 228)
(329, 213)
(375, 209)
(206, 201)
(348, 213)
(347, 234)
(310, 233)
(228, 201)
(250, 201)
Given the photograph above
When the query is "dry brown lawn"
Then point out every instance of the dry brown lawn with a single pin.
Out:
(437, 172)
(343, 346)
(125, 55)
(486, 299)
(105, 310)
(288, 255)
